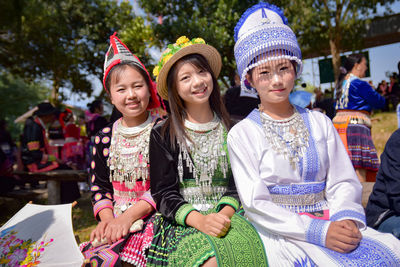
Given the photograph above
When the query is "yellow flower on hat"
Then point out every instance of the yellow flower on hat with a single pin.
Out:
(166, 58)
(182, 40)
(199, 41)
(156, 71)
(186, 44)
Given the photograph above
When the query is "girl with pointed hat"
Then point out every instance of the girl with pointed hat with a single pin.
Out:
(192, 183)
(294, 177)
(119, 173)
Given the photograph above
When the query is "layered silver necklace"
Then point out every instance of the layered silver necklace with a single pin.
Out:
(288, 137)
(206, 148)
(129, 153)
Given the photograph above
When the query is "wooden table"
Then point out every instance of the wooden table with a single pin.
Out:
(53, 179)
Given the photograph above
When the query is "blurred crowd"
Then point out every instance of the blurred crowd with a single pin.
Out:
(52, 139)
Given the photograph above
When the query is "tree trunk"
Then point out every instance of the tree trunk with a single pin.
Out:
(334, 44)
(54, 92)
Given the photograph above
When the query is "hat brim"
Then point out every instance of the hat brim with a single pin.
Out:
(207, 51)
(44, 113)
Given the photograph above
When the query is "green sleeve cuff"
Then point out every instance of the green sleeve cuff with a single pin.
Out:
(182, 213)
(231, 201)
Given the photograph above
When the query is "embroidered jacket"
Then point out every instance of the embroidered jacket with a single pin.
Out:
(361, 96)
(35, 148)
(107, 194)
(176, 200)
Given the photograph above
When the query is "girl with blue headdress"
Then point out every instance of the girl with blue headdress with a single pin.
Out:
(292, 172)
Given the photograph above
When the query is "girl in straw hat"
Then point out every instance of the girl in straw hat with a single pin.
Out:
(294, 177)
(192, 183)
(119, 174)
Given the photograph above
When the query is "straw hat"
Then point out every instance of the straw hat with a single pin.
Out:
(181, 48)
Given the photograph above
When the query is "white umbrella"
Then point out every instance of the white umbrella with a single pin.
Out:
(26, 115)
(40, 235)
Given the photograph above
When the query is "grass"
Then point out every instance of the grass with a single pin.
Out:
(383, 125)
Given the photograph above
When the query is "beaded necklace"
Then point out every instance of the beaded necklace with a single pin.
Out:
(204, 153)
(129, 153)
(288, 137)
(344, 99)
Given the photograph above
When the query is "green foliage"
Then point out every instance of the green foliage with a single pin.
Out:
(214, 21)
(331, 23)
(138, 36)
(63, 41)
(16, 98)
(318, 24)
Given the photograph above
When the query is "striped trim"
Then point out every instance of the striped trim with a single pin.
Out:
(148, 198)
(102, 204)
(348, 214)
(316, 232)
(34, 145)
(182, 213)
(226, 200)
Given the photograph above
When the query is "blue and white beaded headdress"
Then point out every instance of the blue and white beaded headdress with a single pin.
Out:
(262, 35)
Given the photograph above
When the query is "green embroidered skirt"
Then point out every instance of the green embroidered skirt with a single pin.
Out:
(176, 245)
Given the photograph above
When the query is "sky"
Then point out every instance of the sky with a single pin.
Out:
(383, 59)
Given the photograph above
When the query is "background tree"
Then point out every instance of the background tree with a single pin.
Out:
(333, 24)
(318, 24)
(17, 97)
(214, 21)
(63, 41)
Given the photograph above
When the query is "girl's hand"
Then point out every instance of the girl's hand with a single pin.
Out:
(214, 224)
(343, 236)
(117, 228)
(98, 232)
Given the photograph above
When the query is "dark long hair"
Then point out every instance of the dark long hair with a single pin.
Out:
(348, 66)
(177, 106)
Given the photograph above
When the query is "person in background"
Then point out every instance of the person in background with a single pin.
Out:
(35, 149)
(324, 102)
(398, 115)
(394, 91)
(73, 149)
(7, 180)
(239, 103)
(94, 123)
(383, 90)
(383, 208)
(7, 144)
(371, 84)
(355, 100)
(94, 119)
(35, 154)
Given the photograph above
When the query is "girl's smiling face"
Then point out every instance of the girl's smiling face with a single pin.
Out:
(273, 80)
(194, 85)
(130, 93)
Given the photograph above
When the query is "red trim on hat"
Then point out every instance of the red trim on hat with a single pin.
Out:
(115, 62)
(112, 42)
(155, 103)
